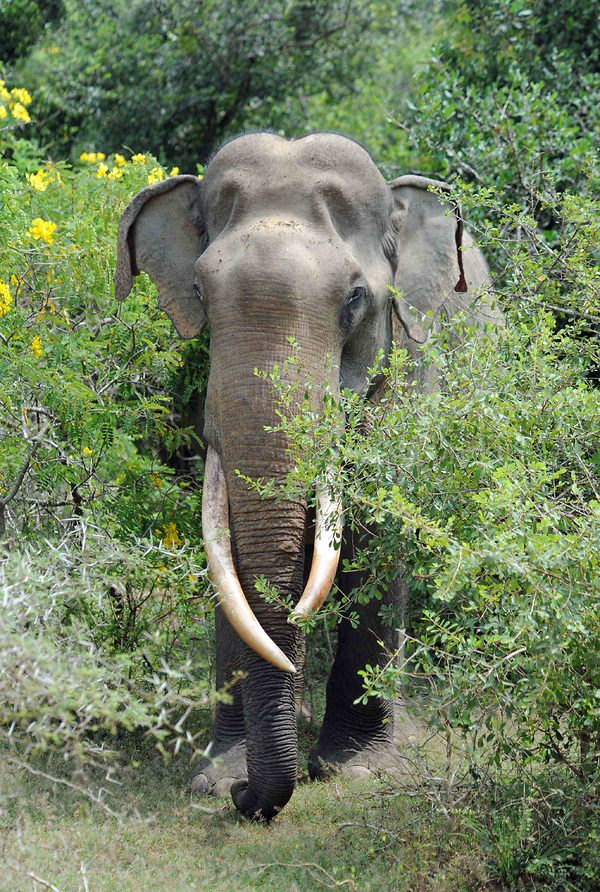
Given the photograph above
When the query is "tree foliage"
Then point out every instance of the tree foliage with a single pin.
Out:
(175, 78)
(22, 22)
(511, 94)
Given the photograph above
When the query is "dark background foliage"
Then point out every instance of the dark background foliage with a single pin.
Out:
(22, 23)
(177, 77)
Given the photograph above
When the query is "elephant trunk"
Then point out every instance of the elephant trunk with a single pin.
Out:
(267, 534)
(276, 729)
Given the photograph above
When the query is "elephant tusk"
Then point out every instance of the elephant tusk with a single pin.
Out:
(221, 570)
(326, 556)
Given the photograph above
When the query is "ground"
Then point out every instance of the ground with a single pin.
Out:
(344, 834)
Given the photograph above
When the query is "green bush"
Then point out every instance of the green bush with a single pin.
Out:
(89, 394)
(106, 614)
(89, 651)
(486, 494)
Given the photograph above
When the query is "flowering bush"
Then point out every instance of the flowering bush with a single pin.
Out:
(98, 528)
(13, 105)
(14, 114)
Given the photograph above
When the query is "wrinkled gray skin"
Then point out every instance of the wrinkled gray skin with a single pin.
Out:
(277, 241)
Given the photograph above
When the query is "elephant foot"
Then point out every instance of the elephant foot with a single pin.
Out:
(354, 761)
(215, 774)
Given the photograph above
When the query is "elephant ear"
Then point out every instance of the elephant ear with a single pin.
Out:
(425, 235)
(161, 233)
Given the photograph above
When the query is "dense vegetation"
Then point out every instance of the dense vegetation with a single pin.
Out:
(489, 492)
(210, 68)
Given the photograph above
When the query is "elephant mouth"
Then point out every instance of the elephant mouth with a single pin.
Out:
(223, 575)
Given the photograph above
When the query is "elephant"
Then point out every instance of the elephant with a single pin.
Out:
(293, 238)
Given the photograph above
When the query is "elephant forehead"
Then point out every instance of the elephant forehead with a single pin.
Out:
(284, 252)
(319, 169)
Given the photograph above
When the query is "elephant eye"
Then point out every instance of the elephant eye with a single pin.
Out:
(356, 295)
(350, 310)
(197, 291)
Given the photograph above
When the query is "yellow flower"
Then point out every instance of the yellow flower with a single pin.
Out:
(40, 180)
(5, 299)
(120, 160)
(155, 175)
(174, 172)
(21, 95)
(102, 171)
(4, 94)
(171, 537)
(92, 157)
(3, 112)
(139, 159)
(87, 451)
(20, 113)
(115, 174)
(36, 347)
(200, 176)
(42, 230)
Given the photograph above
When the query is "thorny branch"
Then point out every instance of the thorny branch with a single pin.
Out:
(36, 442)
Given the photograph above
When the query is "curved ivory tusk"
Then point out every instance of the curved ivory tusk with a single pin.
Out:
(326, 556)
(222, 573)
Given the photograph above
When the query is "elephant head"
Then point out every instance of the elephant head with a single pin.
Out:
(283, 239)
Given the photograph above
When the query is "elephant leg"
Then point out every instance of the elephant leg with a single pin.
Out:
(357, 739)
(225, 761)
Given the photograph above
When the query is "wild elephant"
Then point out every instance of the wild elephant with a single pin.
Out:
(293, 238)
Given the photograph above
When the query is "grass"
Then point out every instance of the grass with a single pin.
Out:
(343, 835)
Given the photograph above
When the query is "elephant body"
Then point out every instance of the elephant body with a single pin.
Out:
(292, 239)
